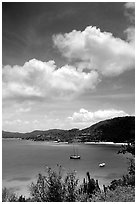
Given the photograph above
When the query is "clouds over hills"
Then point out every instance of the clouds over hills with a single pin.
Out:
(87, 117)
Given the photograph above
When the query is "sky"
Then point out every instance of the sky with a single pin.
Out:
(66, 64)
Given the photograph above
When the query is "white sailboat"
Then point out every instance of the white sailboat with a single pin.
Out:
(75, 155)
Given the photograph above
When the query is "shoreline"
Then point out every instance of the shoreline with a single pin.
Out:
(56, 142)
(110, 143)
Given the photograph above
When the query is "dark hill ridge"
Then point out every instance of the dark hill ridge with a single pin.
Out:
(120, 129)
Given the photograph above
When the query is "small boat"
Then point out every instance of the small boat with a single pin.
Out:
(74, 157)
(102, 165)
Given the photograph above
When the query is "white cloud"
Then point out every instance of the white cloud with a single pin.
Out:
(35, 121)
(130, 5)
(130, 11)
(26, 122)
(95, 50)
(93, 54)
(11, 122)
(37, 80)
(86, 117)
(130, 14)
(130, 32)
(23, 110)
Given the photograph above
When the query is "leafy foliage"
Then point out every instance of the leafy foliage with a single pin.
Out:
(53, 188)
(48, 188)
(130, 148)
(128, 179)
(71, 183)
(120, 194)
(8, 196)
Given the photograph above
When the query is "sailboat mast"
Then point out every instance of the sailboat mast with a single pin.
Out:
(74, 149)
(77, 151)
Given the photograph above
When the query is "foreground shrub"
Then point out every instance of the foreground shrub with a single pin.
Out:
(71, 187)
(8, 196)
(54, 188)
(120, 194)
(48, 188)
(129, 178)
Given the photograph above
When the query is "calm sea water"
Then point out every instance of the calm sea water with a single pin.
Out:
(22, 161)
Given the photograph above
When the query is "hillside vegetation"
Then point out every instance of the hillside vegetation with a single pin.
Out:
(120, 129)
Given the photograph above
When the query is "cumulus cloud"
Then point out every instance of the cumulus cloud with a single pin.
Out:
(130, 32)
(130, 11)
(87, 117)
(95, 50)
(11, 122)
(130, 14)
(35, 121)
(129, 5)
(92, 55)
(37, 80)
(23, 110)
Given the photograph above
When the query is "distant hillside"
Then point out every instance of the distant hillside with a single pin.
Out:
(47, 135)
(121, 129)
(6, 134)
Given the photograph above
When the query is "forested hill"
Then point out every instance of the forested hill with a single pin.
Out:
(120, 129)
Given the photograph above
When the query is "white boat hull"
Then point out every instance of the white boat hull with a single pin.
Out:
(74, 157)
(102, 165)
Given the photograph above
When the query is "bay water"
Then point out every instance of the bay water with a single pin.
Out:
(22, 160)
